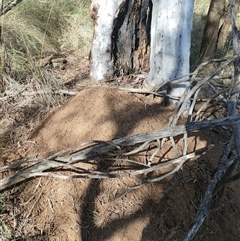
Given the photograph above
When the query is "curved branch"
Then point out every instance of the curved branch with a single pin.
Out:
(54, 162)
(9, 7)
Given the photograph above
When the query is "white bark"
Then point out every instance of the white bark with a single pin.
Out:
(170, 43)
(104, 12)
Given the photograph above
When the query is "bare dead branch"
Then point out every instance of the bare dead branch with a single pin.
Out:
(149, 136)
(232, 103)
(1, 5)
(188, 93)
(55, 162)
(58, 91)
(204, 206)
(115, 174)
(9, 6)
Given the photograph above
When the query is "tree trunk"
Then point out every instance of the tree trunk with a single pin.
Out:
(121, 43)
(125, 30)
(216, 28)
(131, 37)
(103, 13)
(210, 33)
(170, 42)
(223, 32)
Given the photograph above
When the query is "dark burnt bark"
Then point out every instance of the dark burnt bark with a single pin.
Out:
(131, 37)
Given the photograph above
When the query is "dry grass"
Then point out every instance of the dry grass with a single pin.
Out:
(35, 29)
(199, 19)
(30, 31)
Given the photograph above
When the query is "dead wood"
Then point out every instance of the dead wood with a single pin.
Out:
(55, 162)
(9, 6)
(210, 34)
(223, 166)
(234, 94)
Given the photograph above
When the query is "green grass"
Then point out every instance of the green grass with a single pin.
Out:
(37, 28)
(199, 19)
(33, 30)
(4, 230)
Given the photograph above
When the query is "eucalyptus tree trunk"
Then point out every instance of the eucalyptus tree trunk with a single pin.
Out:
(170, 43)
(121, 42)
(136, 35)
(103, 12)
(217, 28)
(131, 37)
(210, 33)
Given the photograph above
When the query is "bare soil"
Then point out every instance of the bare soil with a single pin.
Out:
(81, 210)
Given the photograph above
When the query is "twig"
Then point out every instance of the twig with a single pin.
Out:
(205, 105)
(190, 112)
(34, 204)
(212, 87)
(90, 153)
(158, 144)
(184, 99)
(58, 91)
(204, 206)
(32, 194)
(137, 150)
(103, 175)
(124, 160)
(185, 144)
(9, 7)
(72, 149)
(174, 147)
(232, 103)
(149, 181)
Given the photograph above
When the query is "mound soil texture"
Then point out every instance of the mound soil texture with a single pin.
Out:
(95, 210)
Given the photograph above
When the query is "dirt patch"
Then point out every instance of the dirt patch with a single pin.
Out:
(99, 114)
(97, 210)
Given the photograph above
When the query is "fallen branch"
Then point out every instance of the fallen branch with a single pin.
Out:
(204, 206)
(181, 106)
(223, 166)
(58, 91)
(9, 7)
(92, 152)
(234, 94)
